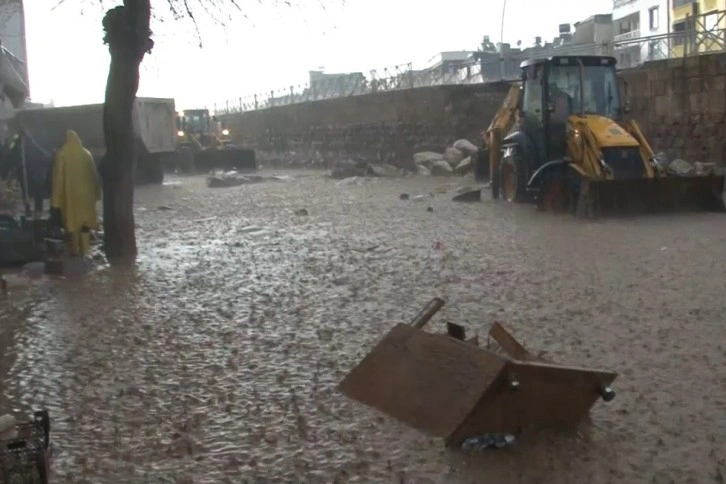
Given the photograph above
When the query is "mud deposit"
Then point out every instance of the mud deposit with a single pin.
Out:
(216, 359)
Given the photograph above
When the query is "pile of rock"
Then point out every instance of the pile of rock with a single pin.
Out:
(680, 167)
(456, 160)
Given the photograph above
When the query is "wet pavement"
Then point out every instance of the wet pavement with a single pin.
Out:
(217, 358)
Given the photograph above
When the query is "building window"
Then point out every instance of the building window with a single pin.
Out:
(710, 22)
(682, 3)
(532, 97)
(629, 24)
(653, 18)
(679, 29)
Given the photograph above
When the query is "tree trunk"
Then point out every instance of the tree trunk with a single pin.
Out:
(128, 39)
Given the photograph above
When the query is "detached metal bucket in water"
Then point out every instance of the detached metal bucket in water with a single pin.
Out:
(449, 387)
(651, 195)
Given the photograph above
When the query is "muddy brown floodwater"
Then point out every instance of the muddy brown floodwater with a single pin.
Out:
(217, 359)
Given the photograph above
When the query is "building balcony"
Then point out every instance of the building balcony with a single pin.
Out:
(621, 3)
(633, 34)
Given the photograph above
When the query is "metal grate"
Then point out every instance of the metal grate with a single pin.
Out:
(626, 162)
(24, 460)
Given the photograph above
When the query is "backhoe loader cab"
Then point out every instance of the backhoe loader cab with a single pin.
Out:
(571, 146)
(590, 89)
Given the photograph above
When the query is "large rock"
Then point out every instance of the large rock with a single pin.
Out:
(704, 168)
(427, 158)
(441, 168)
(7, 422)
(422, 170)
(681, 167)
(453, 156)
(464, 167)
(466, 146)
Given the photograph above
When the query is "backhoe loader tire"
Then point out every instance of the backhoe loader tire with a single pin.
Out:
(513, 184)
(481, 165)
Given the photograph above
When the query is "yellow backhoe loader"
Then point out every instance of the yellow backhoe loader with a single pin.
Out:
(562, 138)
(204, 144)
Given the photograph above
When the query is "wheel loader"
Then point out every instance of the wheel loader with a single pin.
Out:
(204, 144)
(563, 139)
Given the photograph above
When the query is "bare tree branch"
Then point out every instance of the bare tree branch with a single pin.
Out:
(221, 12)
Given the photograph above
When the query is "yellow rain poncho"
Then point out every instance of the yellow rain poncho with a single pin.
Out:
(76, 189)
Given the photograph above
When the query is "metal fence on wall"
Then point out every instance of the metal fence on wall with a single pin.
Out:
(700, 38)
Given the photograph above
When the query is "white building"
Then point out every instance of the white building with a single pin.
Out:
(13, 60)
(637, 25)
(597, 29)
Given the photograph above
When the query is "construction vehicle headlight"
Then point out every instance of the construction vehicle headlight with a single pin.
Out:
(225, 132)
(180, 133)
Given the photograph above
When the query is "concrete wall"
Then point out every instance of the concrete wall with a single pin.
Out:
(680, 104)
(387, 126)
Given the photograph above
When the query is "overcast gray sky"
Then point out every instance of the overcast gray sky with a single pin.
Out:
(275, 46)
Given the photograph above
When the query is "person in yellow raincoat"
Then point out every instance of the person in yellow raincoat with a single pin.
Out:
(75, 190)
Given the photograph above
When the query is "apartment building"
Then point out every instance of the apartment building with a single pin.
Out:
(13, 60)
(640, 30)
(697, 26)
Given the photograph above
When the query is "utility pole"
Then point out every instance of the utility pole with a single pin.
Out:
(501, 43)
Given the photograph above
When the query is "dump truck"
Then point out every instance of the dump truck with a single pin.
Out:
(204, 144)
(154, 126)
(563, 138)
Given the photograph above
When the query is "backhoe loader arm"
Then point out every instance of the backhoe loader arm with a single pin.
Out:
(503, 121)
(651, 167)
(583, 150)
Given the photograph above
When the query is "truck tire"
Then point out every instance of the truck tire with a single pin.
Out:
(156, 173)
(149, 170)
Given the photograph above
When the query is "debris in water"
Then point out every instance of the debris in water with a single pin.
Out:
(34, 269)
(488, 441)
(301, 212)
(470, 196)
(10, 281)
(479, 393)
(429, 209)
(404, 196)
(367, 249)
(163, 208)
(7, 423)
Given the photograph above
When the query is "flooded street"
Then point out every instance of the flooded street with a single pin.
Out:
(218, 356)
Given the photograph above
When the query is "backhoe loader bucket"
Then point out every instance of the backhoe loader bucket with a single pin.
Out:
(449, 387)
(651, 195)
(239, 159)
